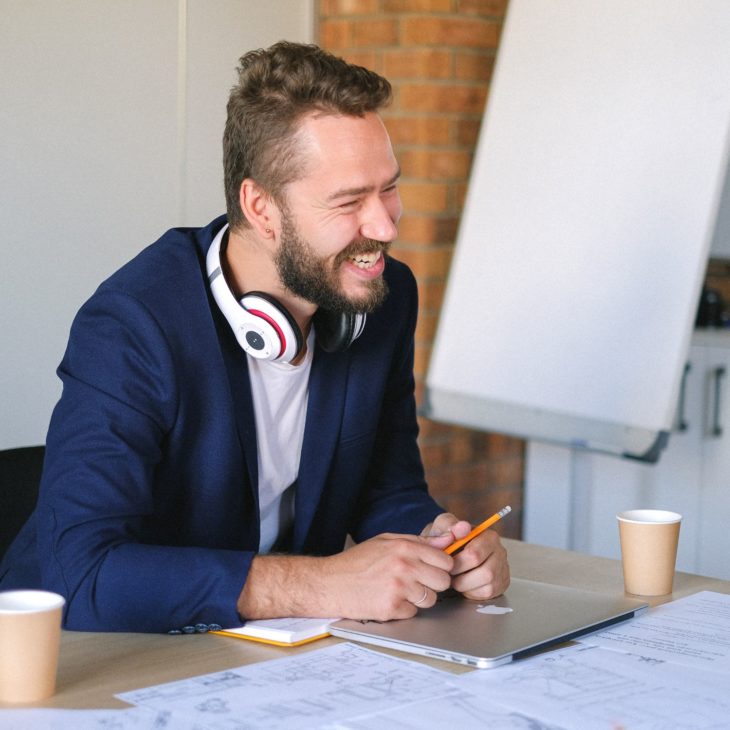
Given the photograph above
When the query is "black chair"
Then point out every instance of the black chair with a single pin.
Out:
(20, 475)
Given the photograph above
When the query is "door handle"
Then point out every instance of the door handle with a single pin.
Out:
(718, 375)
(682, 423)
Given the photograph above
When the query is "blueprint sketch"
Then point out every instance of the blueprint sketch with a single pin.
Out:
(463, 710)
(136, 718)
(304, 691)
(590, 687)
(694, 631)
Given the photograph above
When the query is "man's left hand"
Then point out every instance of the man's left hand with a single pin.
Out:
(481, 570)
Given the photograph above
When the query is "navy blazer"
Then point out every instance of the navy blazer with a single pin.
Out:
(148, 518)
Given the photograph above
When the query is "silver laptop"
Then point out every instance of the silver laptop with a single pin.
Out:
(482, 634)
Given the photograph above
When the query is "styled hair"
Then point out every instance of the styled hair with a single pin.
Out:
(276, 88)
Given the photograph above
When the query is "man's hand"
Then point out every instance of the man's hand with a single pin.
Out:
(481, 570)
(387, 577)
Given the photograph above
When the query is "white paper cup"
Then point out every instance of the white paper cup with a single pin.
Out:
(649, 539)
(30, 635)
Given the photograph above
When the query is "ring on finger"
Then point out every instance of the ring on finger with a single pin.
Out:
(422, 598)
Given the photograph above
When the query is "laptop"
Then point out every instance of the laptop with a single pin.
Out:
(483, 634)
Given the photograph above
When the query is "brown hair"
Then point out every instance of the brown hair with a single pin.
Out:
(276, 87)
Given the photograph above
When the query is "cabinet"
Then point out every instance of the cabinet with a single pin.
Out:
(572, 497)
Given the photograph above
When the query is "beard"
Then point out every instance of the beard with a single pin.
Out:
(309, 276)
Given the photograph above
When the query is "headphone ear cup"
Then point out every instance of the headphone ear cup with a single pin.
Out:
(275, 322)
(336, 331)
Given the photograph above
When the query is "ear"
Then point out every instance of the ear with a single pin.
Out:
(258, 208)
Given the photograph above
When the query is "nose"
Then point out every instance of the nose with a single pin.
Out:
(379, 221)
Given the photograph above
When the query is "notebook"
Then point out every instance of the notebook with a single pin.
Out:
(281, 631)
(483, 634)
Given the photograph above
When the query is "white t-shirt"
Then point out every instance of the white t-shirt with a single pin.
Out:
(280, 393)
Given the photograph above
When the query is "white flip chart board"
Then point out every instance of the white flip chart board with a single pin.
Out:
(587, 225)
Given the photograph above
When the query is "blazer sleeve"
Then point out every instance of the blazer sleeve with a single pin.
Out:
(120, 400)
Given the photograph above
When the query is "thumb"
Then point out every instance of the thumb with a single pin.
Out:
(439, 541)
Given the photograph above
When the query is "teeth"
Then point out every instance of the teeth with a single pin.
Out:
(365, 260)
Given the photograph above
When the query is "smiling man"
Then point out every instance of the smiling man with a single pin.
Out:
(239, 398)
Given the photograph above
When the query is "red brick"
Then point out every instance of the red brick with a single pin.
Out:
(346, 33)
(474, 66)
(431, 295)
(459, 192)
(418, 6)
(427, 229)
(418, 63)
(431, 429)
(434, 455)
(460, 32)
(422, 355)
(467, 131)
(382, 32)
(460, 449)
(426, 263)
(417, 130)
(500, 446)
(349, 7)
(462, 99)
(505, 472)
(493, 8)
(436, 164)
(368, 58)
(424, 196)
(426, 327)
(334, 34)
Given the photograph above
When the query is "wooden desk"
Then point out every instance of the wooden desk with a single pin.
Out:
(96, 666)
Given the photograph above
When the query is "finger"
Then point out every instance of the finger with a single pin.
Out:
(413, 559)
(435, 579)
(440, 542)
(424, 601)
(434, 552)
(441, 535)
(447, 524)
(441, 524)
(489, 579)
(478, 551)
(488, 590)
(420, 550)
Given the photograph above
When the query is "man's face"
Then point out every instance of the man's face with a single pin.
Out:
(340, 217)
(314, 278)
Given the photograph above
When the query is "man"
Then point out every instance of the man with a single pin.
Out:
(238, 399)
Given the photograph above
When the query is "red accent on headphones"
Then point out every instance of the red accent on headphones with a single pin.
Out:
(272, 322)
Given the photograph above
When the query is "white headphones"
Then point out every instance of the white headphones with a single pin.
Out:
(262, 325)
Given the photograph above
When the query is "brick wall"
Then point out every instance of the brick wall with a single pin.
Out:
(439, 55)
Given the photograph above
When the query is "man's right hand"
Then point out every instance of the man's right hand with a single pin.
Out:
(387, 577)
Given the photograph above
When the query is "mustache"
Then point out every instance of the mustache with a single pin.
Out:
(362, 245)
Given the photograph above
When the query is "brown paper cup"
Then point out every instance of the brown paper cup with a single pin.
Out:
(30, 633)
(649, 540)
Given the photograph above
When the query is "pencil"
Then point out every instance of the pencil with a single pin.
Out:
(478, 530)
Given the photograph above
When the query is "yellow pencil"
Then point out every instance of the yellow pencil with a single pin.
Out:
(451, 549)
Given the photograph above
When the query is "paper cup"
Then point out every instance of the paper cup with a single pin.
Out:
(30, 634)
(649, 540)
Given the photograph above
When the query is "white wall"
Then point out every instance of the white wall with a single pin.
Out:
(111, 121)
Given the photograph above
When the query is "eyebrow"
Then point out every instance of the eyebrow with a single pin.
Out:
(345, 192)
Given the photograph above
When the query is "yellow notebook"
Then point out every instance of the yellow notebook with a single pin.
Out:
(281, 631)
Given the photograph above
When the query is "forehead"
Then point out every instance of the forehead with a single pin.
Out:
(345, 152)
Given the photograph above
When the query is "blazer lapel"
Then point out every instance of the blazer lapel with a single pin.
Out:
(236, 364)
(237, 368)
(327, 386)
